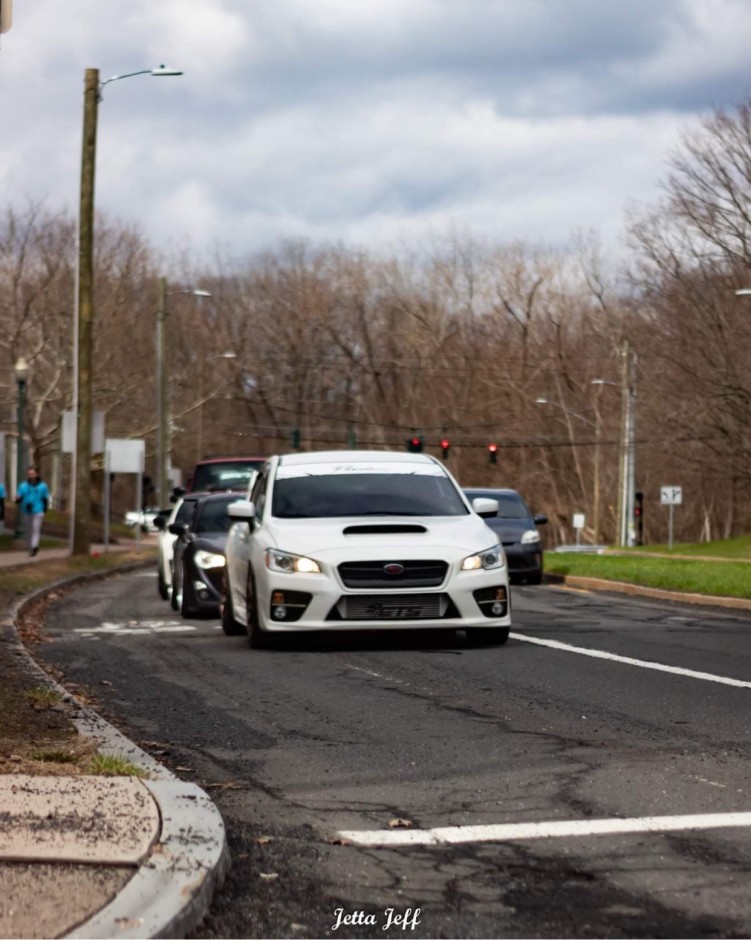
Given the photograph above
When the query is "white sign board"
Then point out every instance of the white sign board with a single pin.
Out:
(671, 495)
(578, 520)
(125, 456)
(69, 432)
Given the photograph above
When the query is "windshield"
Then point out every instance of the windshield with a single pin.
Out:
(229, 475)
(322, 496)
(510, 505)
(213, 516)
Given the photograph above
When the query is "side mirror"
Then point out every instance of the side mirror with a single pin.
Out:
(177, 528)
(242, 511)
(485, 507)
(159, 523)
(540, 518)
(177, 492)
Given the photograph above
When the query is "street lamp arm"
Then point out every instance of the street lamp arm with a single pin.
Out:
(568, 411)
(162, 70)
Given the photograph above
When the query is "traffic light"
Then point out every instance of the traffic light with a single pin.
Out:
(493, 453)
(414, 444)
(296, 438)
(445, 448)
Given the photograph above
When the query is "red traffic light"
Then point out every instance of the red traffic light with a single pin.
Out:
(493, 453)
(445, 447)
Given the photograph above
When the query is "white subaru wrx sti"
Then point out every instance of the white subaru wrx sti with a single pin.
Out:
(362, 540)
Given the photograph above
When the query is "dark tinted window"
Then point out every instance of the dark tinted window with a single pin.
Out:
(227, 475)
(366, 494)
(213, 517)
(185, 511)
(510, 505)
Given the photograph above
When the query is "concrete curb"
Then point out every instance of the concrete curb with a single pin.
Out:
(170, 894)
(637, 590)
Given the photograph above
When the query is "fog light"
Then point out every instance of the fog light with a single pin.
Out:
(280, 613)
(498, 609)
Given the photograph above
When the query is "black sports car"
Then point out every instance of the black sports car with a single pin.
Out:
(198, 564)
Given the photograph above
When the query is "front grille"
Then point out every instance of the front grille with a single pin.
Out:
(392, 607)
(370, 574)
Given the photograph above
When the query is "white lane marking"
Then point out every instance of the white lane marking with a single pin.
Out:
(645, 664)
(512, 832)
(131, 627)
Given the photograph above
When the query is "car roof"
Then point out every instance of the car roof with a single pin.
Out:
(355, 456)
(489, 491)
(240, 457)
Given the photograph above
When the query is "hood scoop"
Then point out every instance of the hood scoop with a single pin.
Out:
(386, 528)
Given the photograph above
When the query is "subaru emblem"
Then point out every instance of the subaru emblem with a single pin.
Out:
(393, 568)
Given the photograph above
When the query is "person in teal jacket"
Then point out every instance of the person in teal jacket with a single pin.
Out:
(33, 500)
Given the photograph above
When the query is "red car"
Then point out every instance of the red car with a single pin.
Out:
(223, 473)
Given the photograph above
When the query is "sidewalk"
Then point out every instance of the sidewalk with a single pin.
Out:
(101, 856)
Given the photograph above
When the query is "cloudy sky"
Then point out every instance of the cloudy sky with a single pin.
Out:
(373, 123)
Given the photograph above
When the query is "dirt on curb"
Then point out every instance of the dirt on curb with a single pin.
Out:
(37, 734)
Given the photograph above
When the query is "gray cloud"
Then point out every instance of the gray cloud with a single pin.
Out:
(367, 121)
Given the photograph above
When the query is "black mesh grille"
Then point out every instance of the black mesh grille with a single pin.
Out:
(371, 574)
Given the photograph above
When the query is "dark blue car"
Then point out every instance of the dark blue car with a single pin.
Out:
(516, 529)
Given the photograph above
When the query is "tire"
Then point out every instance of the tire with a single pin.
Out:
(188, 606)
(164, 591)
(174, 598)
(230, 625)
(488, 636)
(257, 637)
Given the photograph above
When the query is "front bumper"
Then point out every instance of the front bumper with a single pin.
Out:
(302, 602)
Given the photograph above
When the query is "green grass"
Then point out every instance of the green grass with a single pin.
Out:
(729, 579)
(738, 547)
(114, 765)
(55, 757)
(43, 696)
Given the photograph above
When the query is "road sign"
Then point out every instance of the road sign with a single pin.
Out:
(578, 520)
(671, 495)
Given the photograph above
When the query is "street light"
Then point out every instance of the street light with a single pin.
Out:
(82, 405)
(201, 386)
(21, 372)
(596, 461)
(162, 391)
(626, 472)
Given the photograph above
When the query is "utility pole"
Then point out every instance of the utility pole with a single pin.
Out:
(162, 403)
(82, 506)
(626, 475)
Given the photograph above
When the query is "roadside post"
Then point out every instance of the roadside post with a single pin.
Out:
(671, 496)
(579, 520)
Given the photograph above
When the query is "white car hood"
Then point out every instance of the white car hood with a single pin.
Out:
(447, 536)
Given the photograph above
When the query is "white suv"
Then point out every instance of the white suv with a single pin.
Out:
(362, 540)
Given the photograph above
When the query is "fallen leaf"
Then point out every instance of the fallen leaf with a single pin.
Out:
(263, 840)
(268, 875)
(400, 824)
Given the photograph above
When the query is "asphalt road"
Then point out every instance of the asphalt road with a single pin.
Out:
(396, 735)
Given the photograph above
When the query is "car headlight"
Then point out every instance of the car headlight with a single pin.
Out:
(209, 559)
(490, 558)
(530, 537)
(288, 563)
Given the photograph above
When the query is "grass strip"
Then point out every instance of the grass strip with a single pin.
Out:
(730, 579)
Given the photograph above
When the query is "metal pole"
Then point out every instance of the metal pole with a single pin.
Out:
(670, 526)
(162, 402)
(82, 517)
(630, 466)
(624, 451)
(107, 498)
(20, 450)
